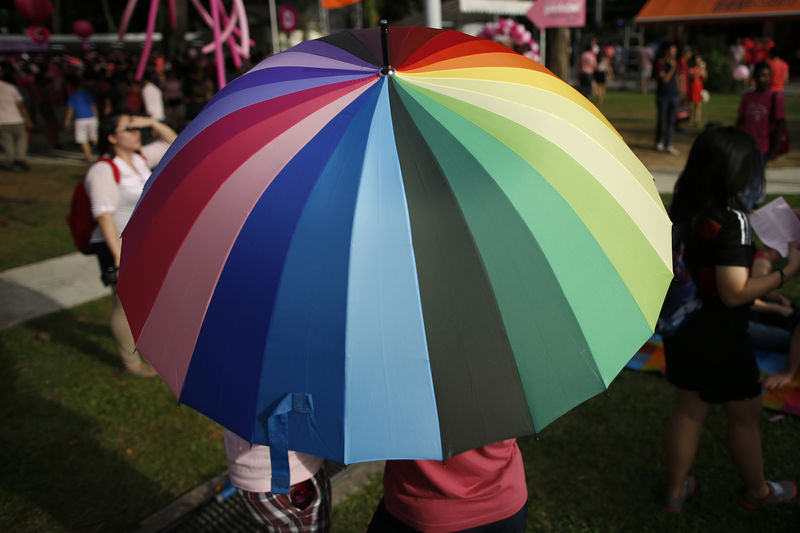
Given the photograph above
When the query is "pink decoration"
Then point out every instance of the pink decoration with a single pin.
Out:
(234, 24)
(34, 10)
(148, 40)
(741, 72)
(82, 28)
(509, 29)
(218, 44)
(38, 33)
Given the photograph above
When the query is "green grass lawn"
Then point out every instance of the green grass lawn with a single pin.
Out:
(84, 446)
(87, 448)
(34, 207)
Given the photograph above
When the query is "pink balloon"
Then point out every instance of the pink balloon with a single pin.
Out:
(34, 10)
(38, 33)
(741, 73)
(82, 28)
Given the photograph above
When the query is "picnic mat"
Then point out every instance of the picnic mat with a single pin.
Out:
(650, 358)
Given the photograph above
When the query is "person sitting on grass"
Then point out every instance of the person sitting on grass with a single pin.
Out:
(774, 325)
(710, 360)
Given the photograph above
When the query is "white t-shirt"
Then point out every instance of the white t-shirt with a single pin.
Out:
(120, 200)
(9, 112)
(250, 468)
(153, 101)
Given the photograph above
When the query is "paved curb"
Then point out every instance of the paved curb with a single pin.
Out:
(51, 285)
(779, 180)
(343, 484)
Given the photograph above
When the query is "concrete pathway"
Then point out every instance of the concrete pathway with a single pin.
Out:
(52, 285)
(779, 180)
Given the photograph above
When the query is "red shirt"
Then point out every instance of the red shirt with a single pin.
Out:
(759, 117)
(473, 488)
(780, 73)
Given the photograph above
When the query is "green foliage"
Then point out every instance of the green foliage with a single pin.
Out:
(718, 63)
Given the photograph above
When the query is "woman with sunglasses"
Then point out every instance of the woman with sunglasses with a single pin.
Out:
(114, 184)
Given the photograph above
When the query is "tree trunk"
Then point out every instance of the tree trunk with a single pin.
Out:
(55, 18)
(557, 51)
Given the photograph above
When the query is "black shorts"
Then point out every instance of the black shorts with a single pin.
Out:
(713, 360)
(600, 76)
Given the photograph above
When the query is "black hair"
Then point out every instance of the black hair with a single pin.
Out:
(722, 161)
(664, 48)
(7, 72)
(108, 126)
(762, 65)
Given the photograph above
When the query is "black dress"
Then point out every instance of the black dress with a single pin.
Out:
(712, 353)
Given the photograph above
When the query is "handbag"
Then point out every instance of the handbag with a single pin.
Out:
(682, 115)
(783, 136)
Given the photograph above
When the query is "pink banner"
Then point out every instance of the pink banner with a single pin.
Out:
(558, 13)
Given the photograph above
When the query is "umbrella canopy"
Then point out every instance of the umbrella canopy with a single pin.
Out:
(363, 262)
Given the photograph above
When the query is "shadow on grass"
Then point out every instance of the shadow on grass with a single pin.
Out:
(39, 435)
(27, 303)
(84, 336)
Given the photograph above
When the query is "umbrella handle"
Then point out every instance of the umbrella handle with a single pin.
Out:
(387, 69)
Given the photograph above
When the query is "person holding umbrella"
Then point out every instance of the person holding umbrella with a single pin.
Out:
(478, 490)
(710, 359)
(114, 185)
(307, 506)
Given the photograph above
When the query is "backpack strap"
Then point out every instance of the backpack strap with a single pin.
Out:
(113, 167)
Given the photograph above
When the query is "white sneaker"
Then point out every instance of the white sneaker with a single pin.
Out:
(672, 150)
(659, 147)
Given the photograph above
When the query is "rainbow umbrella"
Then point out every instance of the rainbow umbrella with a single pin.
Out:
(363, 261)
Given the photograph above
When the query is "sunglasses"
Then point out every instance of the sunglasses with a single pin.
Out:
(129, 128)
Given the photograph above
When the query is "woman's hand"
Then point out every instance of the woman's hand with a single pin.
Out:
(737, 287)
(110, 234)
(777, 380)
(164, 132)
(138, 121)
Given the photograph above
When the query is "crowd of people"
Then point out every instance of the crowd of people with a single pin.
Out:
(57, 99)
(680, 81)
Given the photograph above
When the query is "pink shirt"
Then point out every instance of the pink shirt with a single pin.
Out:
(756, 109)
(588, 62)
(250, 468)
(473, 488)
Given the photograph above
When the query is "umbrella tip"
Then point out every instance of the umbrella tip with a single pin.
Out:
(387, 69)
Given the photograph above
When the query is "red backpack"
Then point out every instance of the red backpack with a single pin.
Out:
(80, 220)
